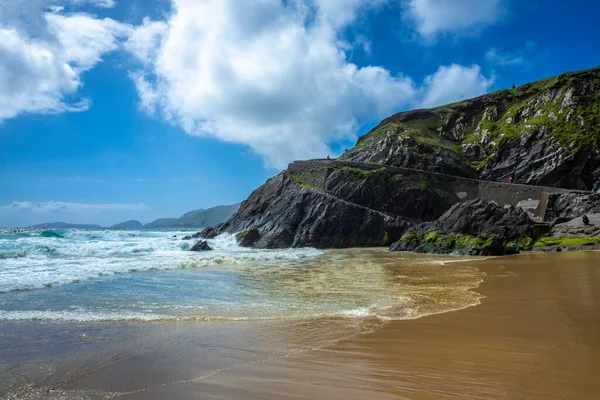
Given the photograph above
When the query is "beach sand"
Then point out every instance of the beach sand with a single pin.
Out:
(535, 335)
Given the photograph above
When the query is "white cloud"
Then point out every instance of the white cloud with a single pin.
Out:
(434, 17)
(454, 83)
(270, 75)
(96, 3)
(497, 57)
(25, 213)
(518, 57)
(43, 55)
(340, 13)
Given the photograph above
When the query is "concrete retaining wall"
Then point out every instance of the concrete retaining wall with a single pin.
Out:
(533, 199)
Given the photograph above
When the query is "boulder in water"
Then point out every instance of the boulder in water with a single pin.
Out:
(202, 245)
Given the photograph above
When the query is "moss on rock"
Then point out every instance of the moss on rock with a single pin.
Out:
(455, 243)
(568, 241)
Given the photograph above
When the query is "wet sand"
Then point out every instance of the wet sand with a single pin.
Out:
(535, 335)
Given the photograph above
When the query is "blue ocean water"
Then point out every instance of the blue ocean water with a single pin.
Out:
(120, 275)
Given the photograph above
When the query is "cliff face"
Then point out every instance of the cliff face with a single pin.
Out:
(332, 204)
(548, 132)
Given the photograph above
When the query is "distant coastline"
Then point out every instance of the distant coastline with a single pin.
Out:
(193, 219)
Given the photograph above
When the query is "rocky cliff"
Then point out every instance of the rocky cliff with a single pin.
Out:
(337, 204)
(547, 133)
(474, 227)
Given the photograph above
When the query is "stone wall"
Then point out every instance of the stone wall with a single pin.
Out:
(533, 199)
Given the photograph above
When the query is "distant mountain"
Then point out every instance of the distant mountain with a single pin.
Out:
(65, 225)
(197, 218)
(133, 224)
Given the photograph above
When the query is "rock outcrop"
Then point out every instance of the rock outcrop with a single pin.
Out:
(574, 222)
(335, 204)
(546, 132)
(207, 233)
(474, 227)
(572, 205)
(201, 245)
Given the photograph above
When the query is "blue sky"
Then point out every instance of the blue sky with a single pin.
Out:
(113, 110)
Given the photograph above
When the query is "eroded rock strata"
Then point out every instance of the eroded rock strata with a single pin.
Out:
(546, 132)
(474, 227)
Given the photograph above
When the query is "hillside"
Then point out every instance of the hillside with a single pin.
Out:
(548, 132)
(197, 218)
(415, 166)
(128, 225)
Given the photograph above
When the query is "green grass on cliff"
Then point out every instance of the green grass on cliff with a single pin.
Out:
(499, 113)
(302, 182)
(361, 174)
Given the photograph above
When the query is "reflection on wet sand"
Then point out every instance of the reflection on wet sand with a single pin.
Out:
(535, 336)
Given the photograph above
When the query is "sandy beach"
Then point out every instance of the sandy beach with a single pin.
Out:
(535, 335)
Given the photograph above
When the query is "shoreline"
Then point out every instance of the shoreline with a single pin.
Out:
(534, 335)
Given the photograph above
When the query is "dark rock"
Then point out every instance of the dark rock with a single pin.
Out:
(201, 246)
(494, 134)
(477, 217)
(209, 233)
(336, 205)
(206, 233)
(248, 238)
(404, 151)
(571, 205)
(560, 220)
(475, 228)
(577, 227)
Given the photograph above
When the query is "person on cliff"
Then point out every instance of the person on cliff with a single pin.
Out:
(510, 179)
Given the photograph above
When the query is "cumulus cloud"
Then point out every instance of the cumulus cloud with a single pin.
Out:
(435, 17)
(25, 213)
(44, 53)
(454, 82)
(271, 75)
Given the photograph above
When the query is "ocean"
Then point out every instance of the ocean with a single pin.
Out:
(70, 299)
